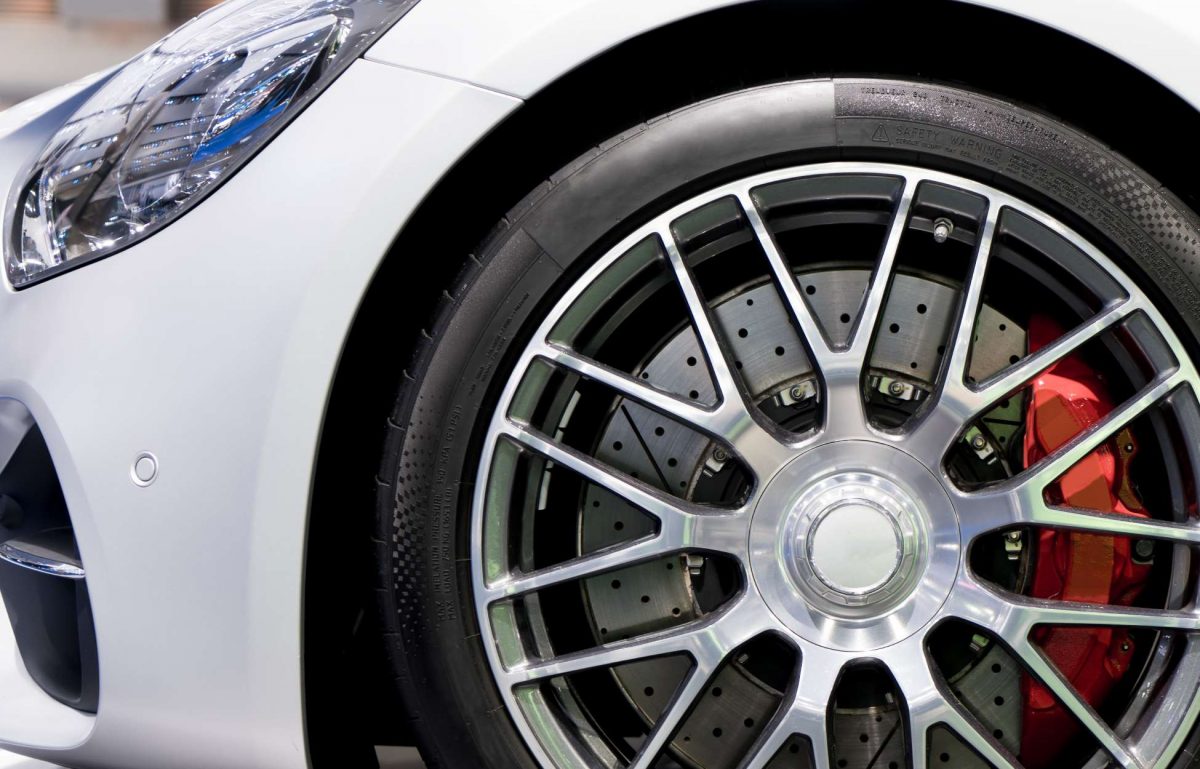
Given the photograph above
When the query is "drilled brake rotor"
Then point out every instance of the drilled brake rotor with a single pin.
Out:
(660, 594)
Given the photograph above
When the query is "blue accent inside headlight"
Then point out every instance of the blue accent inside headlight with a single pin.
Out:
(179, 120)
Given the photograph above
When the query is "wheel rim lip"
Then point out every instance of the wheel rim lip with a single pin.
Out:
(554, 752)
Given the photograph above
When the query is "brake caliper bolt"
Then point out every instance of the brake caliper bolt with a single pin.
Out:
(978, 443)
(896, 388)
(719, 454)
(1013, 545)
(797, 393)
(942, 230)
(1144, 549)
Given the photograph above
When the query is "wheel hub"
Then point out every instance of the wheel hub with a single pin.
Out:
(854, 545)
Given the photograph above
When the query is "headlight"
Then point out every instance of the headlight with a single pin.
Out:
(179, 120)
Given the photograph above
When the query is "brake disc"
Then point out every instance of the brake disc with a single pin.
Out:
(991, 690)
(772, 360)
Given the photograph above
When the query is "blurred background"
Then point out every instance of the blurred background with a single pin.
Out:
(45, 43)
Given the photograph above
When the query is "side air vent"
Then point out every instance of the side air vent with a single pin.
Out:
(42, 578)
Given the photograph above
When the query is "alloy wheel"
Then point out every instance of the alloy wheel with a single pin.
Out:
(755, 492)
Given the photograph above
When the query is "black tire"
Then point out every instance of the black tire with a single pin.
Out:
(429, 460)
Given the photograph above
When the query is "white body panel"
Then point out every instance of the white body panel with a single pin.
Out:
(196, 580)
(213, 344)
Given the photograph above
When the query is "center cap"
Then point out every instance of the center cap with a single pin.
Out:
(853, 541)
(855, 547)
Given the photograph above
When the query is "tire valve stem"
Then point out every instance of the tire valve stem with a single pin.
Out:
(943, 228)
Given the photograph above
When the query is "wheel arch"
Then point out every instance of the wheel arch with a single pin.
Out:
(348, 688)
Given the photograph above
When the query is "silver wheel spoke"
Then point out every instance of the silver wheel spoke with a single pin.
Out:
(662, 506)
(958, 363)
(956, 404)
(1044, 671)
(881, 278)
(673, 716)
(975, 734)
(841, 370)
(719, 423)
(1050, 469)
(986, 512)
(1030, 612)
(803, 712)
(810, 708)
(930, 704)
(658, 645)
(586, 566)
(960, 404)
(755, 443)
(769, 743)
(1113, 523)
(728, 388)
(682, 531)
(1014, 379)
(816, 342)
(707, 641)
(1012, 616)
(846, 409)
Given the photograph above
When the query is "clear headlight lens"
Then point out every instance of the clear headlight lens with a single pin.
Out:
(179, 120)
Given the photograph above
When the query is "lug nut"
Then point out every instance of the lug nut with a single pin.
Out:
(942, 230)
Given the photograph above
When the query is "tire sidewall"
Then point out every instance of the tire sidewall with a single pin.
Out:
(430, 462)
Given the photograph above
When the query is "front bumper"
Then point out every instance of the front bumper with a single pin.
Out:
(213, 345)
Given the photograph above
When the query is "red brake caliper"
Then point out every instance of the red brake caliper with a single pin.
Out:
(1072, 566)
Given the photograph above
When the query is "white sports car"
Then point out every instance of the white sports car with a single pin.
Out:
(588, 384)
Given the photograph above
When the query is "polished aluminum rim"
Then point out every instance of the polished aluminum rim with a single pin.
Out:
(769, 536)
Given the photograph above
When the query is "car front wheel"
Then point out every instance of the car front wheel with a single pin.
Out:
(840, 423)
